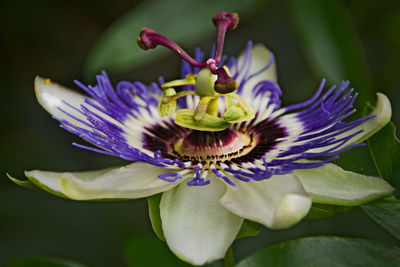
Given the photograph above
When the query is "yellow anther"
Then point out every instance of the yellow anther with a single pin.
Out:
(205, 116)
(167, 105)
(234, 113)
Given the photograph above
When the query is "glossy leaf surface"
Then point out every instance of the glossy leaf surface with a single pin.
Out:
(325, 251)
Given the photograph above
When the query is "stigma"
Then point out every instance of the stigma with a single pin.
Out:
(213, 82)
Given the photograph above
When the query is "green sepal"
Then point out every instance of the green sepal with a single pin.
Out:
(153, 203)
(248, 229)
(319, 211)
(85, 175)
(24, 183)
(185, 118)
(43, 187)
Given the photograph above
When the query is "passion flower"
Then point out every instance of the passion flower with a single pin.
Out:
(216, 143)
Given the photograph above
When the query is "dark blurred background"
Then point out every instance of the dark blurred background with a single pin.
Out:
(54, 38)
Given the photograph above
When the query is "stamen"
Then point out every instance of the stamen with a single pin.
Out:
(224, 84)
(211, 82)
(167, 108)
(190, 79)
(149, 39)
(224, 22)
(201, 108)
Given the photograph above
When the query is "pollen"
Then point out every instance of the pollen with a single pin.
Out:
(47, 81)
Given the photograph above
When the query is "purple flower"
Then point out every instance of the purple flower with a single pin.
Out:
(220, 150)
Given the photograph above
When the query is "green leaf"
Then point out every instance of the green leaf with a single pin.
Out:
(185, 22)
(154, 213)
(325, 251)
(331, 44)
(357, 160)
(385, 151)
(319, 211)
(149, 251)
(249, 228)
(385, 214)
(43, 262)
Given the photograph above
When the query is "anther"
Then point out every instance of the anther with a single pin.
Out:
(224, 22)
(224, 84)
(167, 106)
(149, 39)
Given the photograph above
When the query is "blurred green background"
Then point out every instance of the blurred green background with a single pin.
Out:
(356, 40)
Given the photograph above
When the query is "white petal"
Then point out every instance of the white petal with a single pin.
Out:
(132, 181)
(135, 128)
(260, 56)
(331, 184)
(53, 97)
(278, 202)
(197, 228)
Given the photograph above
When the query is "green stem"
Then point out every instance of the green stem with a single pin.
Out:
(167, 99)
(229, 260)
(201, 108)
(246, 108)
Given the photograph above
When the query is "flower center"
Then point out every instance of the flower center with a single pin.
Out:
(240, 143)
(213, 146)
